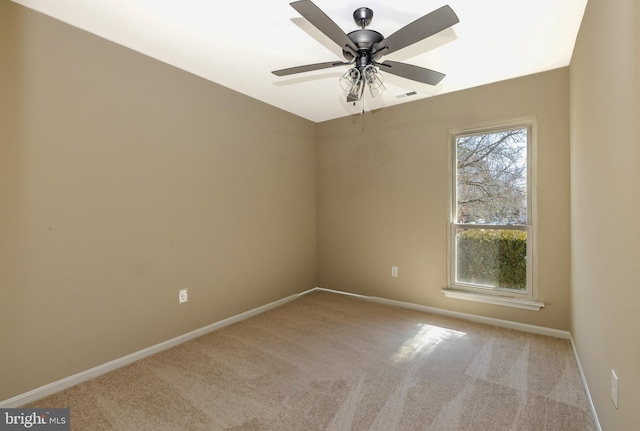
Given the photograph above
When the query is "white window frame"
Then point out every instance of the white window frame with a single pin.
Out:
(495, 295)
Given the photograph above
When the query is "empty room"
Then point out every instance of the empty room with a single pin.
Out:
(320, 215)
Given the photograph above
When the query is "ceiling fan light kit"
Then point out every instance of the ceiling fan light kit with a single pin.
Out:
(373, 78)
(362, 48)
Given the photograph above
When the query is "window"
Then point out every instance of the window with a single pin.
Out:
(491, 228)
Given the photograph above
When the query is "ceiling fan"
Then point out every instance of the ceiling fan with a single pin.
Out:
(363, 47)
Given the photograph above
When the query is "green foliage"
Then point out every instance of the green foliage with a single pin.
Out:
(493, 257)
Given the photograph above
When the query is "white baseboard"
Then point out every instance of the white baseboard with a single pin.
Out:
(540, 330)
(89, 374)
(586, 386)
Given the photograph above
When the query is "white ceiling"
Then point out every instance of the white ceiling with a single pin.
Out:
(238, 43)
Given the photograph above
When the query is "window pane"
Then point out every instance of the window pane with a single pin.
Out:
(491, 178)
(492, 257)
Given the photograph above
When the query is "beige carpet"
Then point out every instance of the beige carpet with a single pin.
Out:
(333, 362)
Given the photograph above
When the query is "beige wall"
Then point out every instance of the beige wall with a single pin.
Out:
(122, 180)
(605, 152)
(384, 196)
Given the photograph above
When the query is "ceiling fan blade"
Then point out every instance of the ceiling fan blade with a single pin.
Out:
(307, 68)
(409, 71)
(322, 22)
(430, 24)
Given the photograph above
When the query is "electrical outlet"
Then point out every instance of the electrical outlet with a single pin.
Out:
(182, 296)
(614, 388)
(394, 271)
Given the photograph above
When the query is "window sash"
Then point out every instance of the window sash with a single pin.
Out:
(487, 288)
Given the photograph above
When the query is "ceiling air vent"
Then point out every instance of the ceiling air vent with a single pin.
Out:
(409, 94)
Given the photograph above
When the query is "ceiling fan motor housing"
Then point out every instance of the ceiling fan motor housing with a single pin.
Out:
(365, 40)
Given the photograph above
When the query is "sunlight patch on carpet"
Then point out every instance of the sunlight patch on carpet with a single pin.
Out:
(426, 339)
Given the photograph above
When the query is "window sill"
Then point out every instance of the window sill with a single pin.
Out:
(525, 304)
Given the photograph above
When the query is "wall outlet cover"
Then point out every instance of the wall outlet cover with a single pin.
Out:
(614, 388)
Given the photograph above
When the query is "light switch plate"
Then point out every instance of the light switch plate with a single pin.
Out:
(183, 296)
